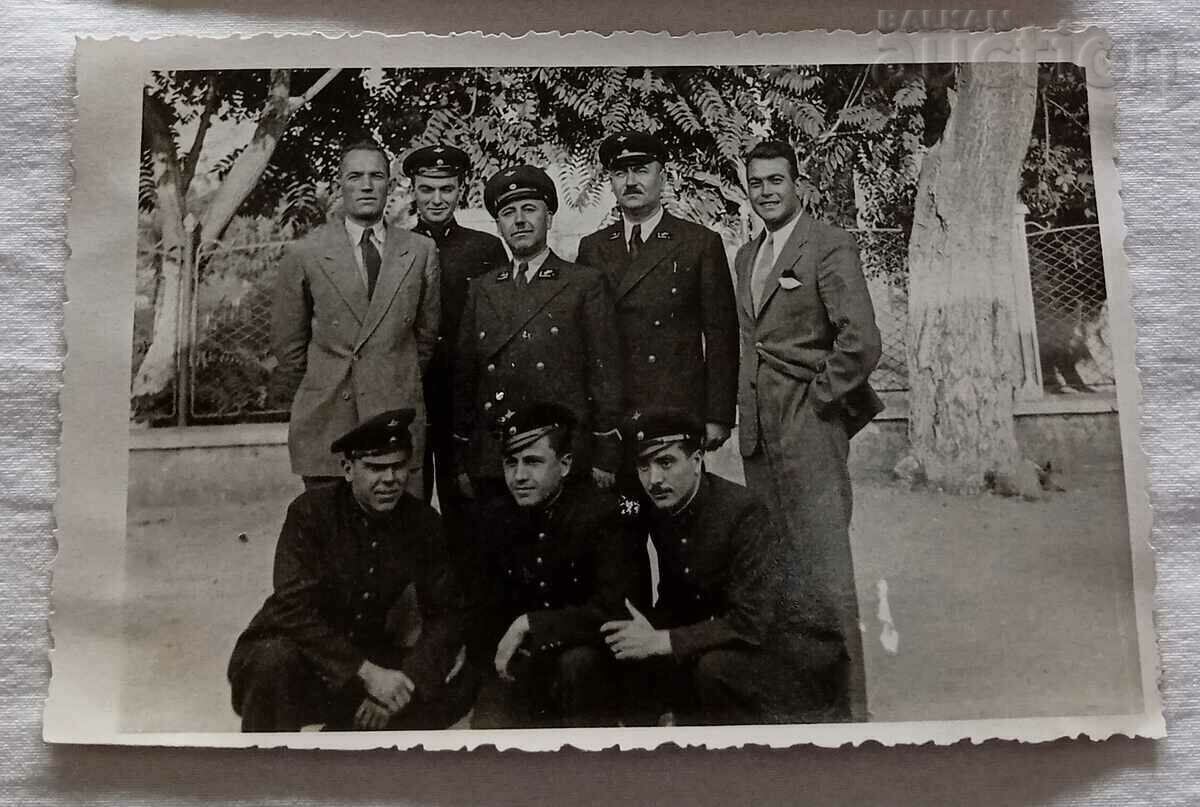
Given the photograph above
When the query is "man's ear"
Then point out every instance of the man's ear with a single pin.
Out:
(347, 467)
(566, 459)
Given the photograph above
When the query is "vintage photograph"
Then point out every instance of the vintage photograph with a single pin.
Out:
(700, 390)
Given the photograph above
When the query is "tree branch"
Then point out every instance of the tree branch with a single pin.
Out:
(320, 84)
(193, 156)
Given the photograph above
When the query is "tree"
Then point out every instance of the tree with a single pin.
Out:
(169, 101)
(961, 333)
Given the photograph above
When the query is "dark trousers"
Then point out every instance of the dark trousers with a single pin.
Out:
(738, 686)
(800, 471)
(276, 689)
(576, 687)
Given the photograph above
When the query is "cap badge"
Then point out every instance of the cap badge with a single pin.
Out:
(393, 423)
(512, 186)
(438, 150)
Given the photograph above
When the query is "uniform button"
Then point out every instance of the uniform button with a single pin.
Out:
(487, 405)
(542, 535)
(576, 579)
(652, 359)
(674, 290)
(371, 570)
(541, 584)
(346, 395)
(491, 368)
(539, 560)
(374, 544)
(482, 334)
(546, 604)
(541, 365)
(658, 323)
(554, 330)
(358, 617)
(687, 570)
(510, 571)
(366, 595)
(684, 542)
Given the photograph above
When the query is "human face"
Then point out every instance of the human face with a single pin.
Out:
(638, 188)
(377, 481)
(524, 225)
(670, 476)
(772, 191)
(436, 197)
(364, 178)
(535, 474)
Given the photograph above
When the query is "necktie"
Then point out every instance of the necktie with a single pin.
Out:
(762, 268)
(522, 275)
(635, 242)
(371, 261)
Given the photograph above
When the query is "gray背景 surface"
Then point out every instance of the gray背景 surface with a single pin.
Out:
(1158, 75)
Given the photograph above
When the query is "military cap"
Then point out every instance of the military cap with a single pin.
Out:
(654, 430)
(382, 434)
(533, 422)
(629, 148)
(437, 161)
(517, 183)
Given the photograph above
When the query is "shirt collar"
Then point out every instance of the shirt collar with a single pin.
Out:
(355, 231)
(535, 263)
(438, 232)
(784, 233)
(647, 226)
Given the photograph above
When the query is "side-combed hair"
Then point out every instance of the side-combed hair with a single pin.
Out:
(560, 439)
(773, 150)
(365, 144)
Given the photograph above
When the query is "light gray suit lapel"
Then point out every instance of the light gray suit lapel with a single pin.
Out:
(339, 265)
(397, 263)
(791, 253)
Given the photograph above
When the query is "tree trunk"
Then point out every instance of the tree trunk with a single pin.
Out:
(158, 364)
(962, 343)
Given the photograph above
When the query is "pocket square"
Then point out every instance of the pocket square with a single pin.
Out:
(789, 283)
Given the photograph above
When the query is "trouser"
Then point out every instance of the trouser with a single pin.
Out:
(275, 688)
(801, 473)
(576, 687)
(740, 686)
(453, 506)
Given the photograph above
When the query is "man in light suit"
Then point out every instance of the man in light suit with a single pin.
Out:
(354, 322)
(809, 342)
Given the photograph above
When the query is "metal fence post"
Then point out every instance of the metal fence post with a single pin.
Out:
(1030, 388)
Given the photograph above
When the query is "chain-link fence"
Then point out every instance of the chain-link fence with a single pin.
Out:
(230, 363)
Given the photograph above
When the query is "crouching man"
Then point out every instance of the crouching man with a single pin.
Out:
(363, 630)
(559, 559)
(723, 643)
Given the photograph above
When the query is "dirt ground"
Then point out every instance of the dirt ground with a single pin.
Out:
(971, 607)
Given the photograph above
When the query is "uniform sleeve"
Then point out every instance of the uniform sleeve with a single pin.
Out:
(300, 588)
(464, 375)
(857, 346)
(291, 328)
(604, 375)
(587, 255)
(719, 320)
(751, 597)
(619, 572)
(429, 311)
(442, 604)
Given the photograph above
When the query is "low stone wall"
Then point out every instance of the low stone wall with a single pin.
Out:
(239, 464)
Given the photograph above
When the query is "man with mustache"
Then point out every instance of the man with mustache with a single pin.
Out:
(674, 294)
(537, 329)
(809, 343)
(354, 320)
(721, 644)
(559, 558)
(364, 628)
(438, 173)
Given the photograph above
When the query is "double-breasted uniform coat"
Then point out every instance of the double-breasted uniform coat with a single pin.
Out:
(676, 317)
(554, 340)
(807, 351)
(342, 356)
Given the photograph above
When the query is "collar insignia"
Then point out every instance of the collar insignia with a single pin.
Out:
(614, 236)
(550, 273)
(629, 507)
(663, 235)
(505, 275)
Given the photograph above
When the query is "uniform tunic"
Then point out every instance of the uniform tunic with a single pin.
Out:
(343, 579)
(552, 341)
(676, 317)
(570, 567)
(726, 602)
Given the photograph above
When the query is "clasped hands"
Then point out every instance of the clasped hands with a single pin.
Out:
(635, 638)
(388, 692)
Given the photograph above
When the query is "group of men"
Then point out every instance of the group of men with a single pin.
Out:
(563, 411)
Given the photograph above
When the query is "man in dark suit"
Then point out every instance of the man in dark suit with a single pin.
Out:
(364, 628)
(438, 175)
(559, 558)
(538, 329)
(674, 295)
(354, 320)
(809, 342)
(722, 644)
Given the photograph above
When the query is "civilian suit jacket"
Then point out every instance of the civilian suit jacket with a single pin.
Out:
(676, 316)
(343, 357)
(553, 341)
(812, 338)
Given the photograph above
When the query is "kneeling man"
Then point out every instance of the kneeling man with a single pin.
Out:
(364, 628)
(559, 558)
(725, 642)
